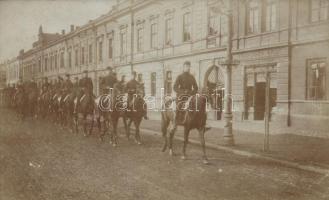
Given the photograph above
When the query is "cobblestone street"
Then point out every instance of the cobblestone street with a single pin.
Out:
(40, 160)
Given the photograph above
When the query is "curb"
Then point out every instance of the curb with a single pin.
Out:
(310, 168)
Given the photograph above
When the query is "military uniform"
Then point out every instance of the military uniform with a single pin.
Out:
(68, 86)
(185, 86)
(87, 85)
(108, 82)
(120, 87)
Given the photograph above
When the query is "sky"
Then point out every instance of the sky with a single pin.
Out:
(20, 20)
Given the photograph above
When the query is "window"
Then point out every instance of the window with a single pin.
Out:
(70, 59)
(76, 57)
(186, 27)
(39, 64)
(154, 35)
(316, 80)
(51, 62)
(214, 23)
(110, 48)
(82, 56)
(55, 57)
(271, 14)
(319, 10)
(90, 53)
(140, 78)
(253, 17)
(169, 31)
(153, 83)
(62, 60)
(123, 42)
(46, 64)
(100, 51)
(168, 86)
(140, 39)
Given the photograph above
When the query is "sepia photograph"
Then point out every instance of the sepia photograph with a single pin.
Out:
(164, 99)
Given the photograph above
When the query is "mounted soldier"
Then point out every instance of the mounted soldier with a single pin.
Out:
(185, 86)
(67, 85)
(45, 85)
(86, 84)
(108, 81)
(133, 88)
(120, 87)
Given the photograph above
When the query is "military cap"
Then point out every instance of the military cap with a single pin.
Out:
(85, 71)
(109, 68)
(187, 63)
(134, 73)
(67, 75)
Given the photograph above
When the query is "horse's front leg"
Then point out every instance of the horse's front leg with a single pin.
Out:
(186, 133)
(91, 125)
(124, 120)
(99, 125)
(76, 124)
(203, 145)
(137, 135)
(171, 138)
(114, 135)
(164, 127)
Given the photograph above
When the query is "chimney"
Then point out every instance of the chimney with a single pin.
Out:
(72, 27)
(63, 32)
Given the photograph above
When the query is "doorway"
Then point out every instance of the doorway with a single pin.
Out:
(259, 107)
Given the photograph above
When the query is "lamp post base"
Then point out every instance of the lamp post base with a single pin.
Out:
(228, 130)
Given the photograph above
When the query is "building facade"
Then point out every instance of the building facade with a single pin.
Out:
(289, 39)
(12, 71)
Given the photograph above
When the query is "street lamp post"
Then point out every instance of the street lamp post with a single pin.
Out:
(228, 64)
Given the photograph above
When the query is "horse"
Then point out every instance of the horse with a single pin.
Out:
(85, 107)
(102, 114)
(118, 106)
(135, 114)
(67, 108)
(194, 118)
(32, 100)
(19, 100)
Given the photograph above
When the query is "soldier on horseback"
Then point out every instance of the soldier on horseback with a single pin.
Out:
(120, 87)
(86, 86)
(185, 86)
(45, 86)
(67, 87)
(108, 81)
(132, 88)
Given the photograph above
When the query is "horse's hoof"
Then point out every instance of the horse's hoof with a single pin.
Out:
(183, 157)
(205, 161)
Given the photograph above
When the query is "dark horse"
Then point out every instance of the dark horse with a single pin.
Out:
(195, 118)
(67, 109)
(32, 100)
(20, 102)
(102, 114)
(85, 107)
(135, 114)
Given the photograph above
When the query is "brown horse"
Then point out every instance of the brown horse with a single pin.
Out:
(195, 118)
(102, 114)
(67, 109)
(20, 100)
(135, 114)
(32, 100)
(85, 107)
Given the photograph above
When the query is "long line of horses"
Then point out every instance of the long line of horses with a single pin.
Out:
(67, 110)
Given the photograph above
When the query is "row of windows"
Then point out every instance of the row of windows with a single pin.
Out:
(261, 16)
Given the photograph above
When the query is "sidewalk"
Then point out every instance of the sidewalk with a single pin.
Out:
(302, 150)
